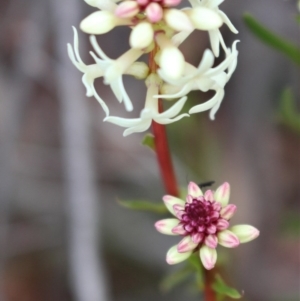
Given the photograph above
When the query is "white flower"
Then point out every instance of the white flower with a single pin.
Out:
(214, 34)
(111, 70)
(203, 78)
(150, 112)
(91, 72)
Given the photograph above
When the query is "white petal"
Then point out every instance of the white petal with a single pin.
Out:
(98, 49)
(180, 37)
(101, 102)
(170, 201)
(184, 91)
(186, 245)
(175, 109)
(124, 122)
(178, 20)
(137, 129)
(194, 190)
(228, 239)
(172, 62)
(165, 226)
(214, 41)
(222, 194)
(228, 22)
(245, 233)
(208, 257)
(208, 104)
(207, 61)
(174, 257)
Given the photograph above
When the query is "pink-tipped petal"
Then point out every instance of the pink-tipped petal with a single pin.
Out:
(222, 224)
(216, 206)
(186, 245)
(211, 241)
(154, 12)
(179, 230)
(228, 211)
(245, 233)
(208, 257)
(197, 237)
(189, 199)
(173, 256)
(194, 190)
(208, 195)
(127, 9)
(214, 216)
(212, 229)
(171, 2)
(143, 2)
(171, 201)
(222, 194)
(228, 239)
(166, 226)
(179, 211)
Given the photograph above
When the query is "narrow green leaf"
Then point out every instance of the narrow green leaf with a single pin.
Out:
(174, 279)
(288, 114)
(148, 140)
(272, 39)
(142, 205)
(221, 288)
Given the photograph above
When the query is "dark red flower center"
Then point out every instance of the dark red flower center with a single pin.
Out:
(201, 216)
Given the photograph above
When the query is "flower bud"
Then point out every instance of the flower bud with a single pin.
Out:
(171, 2)
(127, 9)
(178, 20)
(99, 22)
(204, 18)
(141, 35)
(154, 12)
(245, 233)
(102, 4)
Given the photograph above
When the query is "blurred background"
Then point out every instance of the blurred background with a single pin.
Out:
(64, 237)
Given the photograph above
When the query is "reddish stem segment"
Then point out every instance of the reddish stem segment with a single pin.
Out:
(164, 158)
(209, 294)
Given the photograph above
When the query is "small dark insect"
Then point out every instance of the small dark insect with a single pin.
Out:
(206, 184)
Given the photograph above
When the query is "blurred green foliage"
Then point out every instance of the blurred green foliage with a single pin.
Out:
(142, 205)
(223, 289)
(287, 113)
(272, 39)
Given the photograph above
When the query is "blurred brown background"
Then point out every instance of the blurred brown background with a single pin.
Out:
(62, 234)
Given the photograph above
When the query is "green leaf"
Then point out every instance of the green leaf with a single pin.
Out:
(288, 114)
(148, 140)
(142, 205)
(174, 279)
(223, 289)
(272, 39)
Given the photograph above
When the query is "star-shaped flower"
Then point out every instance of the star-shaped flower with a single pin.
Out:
(203, 221)
(150, 112)
(203, 78)
(215, 35)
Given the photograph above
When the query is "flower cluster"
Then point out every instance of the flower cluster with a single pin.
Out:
(157, 26)
(203, 221)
